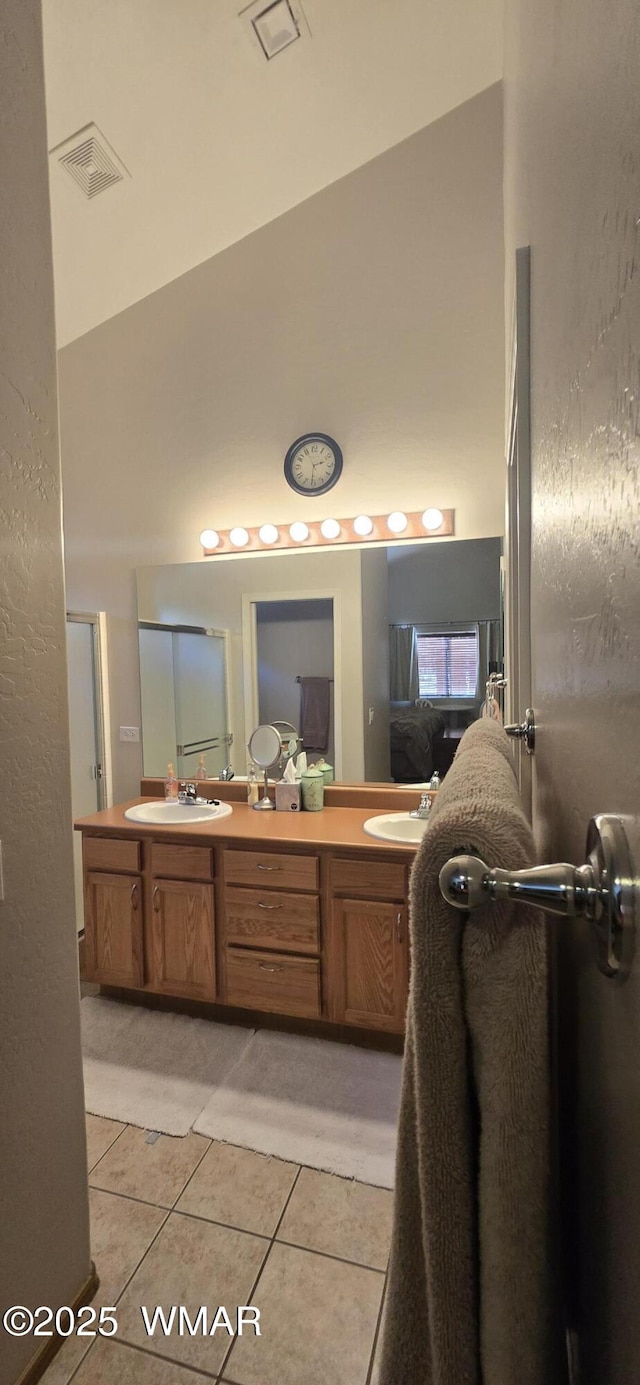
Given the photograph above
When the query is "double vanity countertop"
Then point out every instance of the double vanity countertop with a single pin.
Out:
(339, 828)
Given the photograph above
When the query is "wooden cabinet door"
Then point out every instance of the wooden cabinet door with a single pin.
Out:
(374, 962)
(182, 960)
(113, 929)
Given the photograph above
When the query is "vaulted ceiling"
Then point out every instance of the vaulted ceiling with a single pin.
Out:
(215, 140)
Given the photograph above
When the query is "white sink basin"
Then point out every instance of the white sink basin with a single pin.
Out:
(397, 827)
(177, 814)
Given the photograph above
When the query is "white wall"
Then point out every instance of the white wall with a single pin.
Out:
(211, 594)
(294, 638)
(43, 1170)
(372, 311)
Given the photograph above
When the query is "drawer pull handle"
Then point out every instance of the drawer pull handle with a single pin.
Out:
(156, 906)
(261, 867)
(399, 926)
(266, 966)
(134, 895)
(270, 907)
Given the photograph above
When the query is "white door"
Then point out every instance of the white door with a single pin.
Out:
(573, 192)
(86, 759)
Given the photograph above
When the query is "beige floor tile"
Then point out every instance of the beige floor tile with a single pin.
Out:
(191, 1263)
(240, 1188)
(318, 1318)
(121, 1233)
(112, 1363)
(377, 1360)
(66, 1362)
(153, 1172)
(340, 1217)
(101, 1133)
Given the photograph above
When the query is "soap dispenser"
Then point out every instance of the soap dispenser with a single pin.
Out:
(170, 783)
(201, 772)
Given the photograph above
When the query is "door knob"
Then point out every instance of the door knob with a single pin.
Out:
(525, 731)
(603, 890)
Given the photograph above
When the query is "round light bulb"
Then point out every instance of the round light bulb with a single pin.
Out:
(298, 531)
(269, 533)
(239, 537)
(209, 538)
(397, 522)
(432, 519)
(330, 529)
(363, 526)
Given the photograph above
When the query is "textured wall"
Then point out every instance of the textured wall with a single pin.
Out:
(572, 141)
(44, 1244)
(373, 311)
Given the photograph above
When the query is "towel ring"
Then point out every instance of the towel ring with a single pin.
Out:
(602, 891)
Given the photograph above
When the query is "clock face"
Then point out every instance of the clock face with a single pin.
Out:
(313, 464)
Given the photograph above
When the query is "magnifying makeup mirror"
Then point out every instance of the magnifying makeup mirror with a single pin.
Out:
(270, 747)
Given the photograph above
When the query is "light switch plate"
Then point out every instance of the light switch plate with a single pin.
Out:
(129, 733)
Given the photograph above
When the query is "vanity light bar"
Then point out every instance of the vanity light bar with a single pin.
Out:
(399, 526)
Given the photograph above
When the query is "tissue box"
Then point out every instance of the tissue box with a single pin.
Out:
(288, 798)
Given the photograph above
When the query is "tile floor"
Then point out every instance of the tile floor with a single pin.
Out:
(194, 1222)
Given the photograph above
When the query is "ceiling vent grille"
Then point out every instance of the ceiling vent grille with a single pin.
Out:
(90, 161)
(273, 25)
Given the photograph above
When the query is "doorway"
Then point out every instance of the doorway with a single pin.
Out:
(294, 641)
(286, 639)
(85, 672)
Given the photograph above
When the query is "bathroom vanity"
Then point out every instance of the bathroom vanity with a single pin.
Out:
(299, 915)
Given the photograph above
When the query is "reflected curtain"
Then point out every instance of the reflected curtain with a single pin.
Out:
(403, 663)
(489, 652)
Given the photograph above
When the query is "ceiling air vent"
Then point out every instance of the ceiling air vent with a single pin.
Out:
(89, 159)
(273, 27)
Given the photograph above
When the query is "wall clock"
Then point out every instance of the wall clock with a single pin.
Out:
(313, 464)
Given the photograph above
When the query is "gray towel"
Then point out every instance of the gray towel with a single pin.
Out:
(472, 1296)
(315, 713)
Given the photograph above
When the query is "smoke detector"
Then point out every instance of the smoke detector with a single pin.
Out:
(274, 27)
(90, 161)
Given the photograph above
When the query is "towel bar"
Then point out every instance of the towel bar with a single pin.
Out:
(602, 891)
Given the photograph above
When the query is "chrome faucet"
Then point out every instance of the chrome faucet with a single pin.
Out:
(188, 793)
(226, 774)
(423, 809)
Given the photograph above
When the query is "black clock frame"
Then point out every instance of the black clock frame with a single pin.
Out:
(295, 447)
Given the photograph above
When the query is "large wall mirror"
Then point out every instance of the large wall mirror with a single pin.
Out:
(378, 657)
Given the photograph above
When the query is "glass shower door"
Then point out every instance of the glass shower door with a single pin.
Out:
(199, 671)
(183, 683)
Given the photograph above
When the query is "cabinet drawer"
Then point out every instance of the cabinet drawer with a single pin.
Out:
(269, 981)
(266, 918)
(382, 879)
(269, 869)
(183, 862)
(110, 853)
